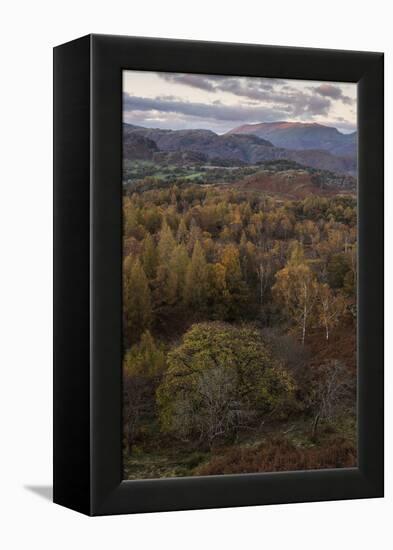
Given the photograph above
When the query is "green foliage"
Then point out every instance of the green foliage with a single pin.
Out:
(145, 359)
(337, 269)
(219, 378)
(349, 283)
(143, 366)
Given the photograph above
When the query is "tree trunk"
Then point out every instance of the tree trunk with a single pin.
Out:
(305, 313)
(261, 277)
(304, 325)
(315, 425)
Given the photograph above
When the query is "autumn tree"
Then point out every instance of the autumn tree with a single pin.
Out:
(152, 219)
(331, 308)
(137, 306)
(307, 232)
(350, 278)
(236, 289)
(194, 235)
(182, 232)
(147, 358)
(131, 219)
(171, 277)
(196, 289)
(296, 290)
(264, 270)
(166, 243)
(143, 366)
(337, 268)
(149, 257)
(330, 393)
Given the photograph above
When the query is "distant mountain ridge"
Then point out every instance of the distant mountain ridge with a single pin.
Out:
(139, 147)
(301, 135)
(141, 142)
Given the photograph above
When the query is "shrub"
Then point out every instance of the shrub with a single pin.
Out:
(279, 455)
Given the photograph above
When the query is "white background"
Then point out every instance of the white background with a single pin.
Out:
(28, 31)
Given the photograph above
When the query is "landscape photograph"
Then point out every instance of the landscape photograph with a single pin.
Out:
(239, 275)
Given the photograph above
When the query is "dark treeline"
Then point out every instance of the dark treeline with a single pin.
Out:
(227, 294)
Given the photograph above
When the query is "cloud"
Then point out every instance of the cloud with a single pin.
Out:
(271, 106)
(196, 81)
(333, 92)
(262, 90)
(215, 83)
(315, 105)
(250, 87)
(227, 101)
(215, 111)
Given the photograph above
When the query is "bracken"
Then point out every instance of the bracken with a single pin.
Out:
(281, 455)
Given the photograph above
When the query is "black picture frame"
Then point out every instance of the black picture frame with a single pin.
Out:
(87, 275)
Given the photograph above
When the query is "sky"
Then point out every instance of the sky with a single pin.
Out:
(220, 103)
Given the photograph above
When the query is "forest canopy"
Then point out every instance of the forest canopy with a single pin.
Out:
(219, 282)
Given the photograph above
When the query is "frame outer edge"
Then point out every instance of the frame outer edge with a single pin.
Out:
(71, 316)
(110, 495)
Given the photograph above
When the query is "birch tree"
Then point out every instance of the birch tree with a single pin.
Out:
(296, 290)
(331, 388)
(331, 308)
(264, 273)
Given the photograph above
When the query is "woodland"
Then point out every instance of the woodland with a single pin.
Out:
(239, 319)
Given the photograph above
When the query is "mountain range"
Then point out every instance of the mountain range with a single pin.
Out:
(299, 135)
(311, 145)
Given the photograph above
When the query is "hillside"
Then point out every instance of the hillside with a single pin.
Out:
(241, 148)
(302, 136)
(138, 147)
(295, 184)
